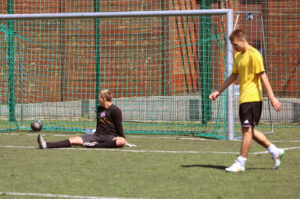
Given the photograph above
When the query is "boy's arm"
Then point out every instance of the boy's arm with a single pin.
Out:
(118, 123)
(226, 83)
(274, 101)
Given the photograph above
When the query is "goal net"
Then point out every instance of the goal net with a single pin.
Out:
(161, 67)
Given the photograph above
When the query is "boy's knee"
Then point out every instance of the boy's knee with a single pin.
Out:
(246, 129)
(76, 141)
(120, 141)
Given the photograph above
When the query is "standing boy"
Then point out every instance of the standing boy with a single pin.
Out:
(248, 66)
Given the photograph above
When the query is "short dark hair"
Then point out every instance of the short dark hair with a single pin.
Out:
(107, 94)
(237, 34)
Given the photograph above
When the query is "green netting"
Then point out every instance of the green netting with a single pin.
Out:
(54, 69)
(71, 72)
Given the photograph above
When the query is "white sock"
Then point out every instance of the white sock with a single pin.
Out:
(241, 160)
(273, 150)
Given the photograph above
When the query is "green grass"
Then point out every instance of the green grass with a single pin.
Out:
(149, 174)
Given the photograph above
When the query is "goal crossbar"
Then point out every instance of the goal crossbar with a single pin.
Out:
(116, 14)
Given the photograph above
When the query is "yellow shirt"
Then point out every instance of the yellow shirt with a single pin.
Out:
(247, 65)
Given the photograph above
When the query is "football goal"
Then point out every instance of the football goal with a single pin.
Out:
(161, 67)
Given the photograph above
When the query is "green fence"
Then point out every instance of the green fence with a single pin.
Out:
(152, 65)
(160, 69)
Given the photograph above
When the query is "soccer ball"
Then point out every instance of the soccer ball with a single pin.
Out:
(36, 125)
(250, 16)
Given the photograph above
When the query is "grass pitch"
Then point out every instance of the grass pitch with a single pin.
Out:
(172, 167)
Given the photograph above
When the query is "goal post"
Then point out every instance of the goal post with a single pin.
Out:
(149, 59)
(229, 61)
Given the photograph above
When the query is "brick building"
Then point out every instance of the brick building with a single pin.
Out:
(60, 60)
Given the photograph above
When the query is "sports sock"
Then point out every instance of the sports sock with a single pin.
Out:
(59, 144)
(108, 144)
(241, 160)
(273, 150)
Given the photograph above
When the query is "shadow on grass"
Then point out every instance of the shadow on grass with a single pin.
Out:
(219, 167)
(204, 166)
(259, 169)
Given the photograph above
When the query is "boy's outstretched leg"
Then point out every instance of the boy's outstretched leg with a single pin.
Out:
(43, 144)
(276, 153)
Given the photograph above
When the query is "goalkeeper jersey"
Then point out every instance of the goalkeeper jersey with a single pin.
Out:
(109, 121)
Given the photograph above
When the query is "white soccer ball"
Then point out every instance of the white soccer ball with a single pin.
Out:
(36, 125)
(250, 16)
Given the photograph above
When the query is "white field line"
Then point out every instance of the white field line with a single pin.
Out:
(158, 137)
(289, 148)
(59, 196)
(202, 139)
(145, 151)
(122, 150)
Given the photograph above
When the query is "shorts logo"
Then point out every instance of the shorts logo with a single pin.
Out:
(246, 122)
(102, 114)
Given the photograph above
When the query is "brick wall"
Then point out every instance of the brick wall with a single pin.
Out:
(283, 36)
(173, 71)
(58, 57)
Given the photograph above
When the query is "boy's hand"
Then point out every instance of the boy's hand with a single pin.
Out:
(276, 104)
(89, 144)
(214, 95)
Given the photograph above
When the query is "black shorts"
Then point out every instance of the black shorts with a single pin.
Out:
(96, 138)
(250, 113)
